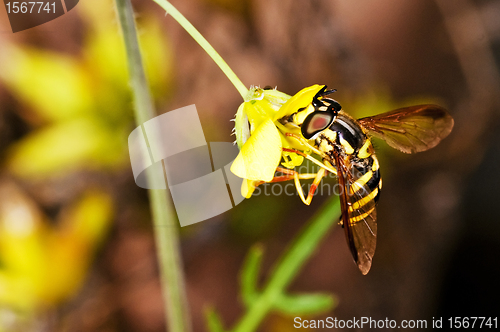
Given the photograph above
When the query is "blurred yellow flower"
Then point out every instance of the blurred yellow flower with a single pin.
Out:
(81, 106)
(43, 265)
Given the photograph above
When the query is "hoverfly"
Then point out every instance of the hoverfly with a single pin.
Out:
(319, 125)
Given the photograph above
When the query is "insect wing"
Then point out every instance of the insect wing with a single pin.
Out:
(411, 129)
(359, 217)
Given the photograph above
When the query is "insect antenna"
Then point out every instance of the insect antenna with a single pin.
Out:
(327, 92)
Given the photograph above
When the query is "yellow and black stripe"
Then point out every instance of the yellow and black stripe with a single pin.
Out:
(346, 138)
(345, 145)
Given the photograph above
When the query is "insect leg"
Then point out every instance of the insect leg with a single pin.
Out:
(317, 179)
(290, 175)
(319, 176)
(305, 142)
(317, 162)
(293, 175)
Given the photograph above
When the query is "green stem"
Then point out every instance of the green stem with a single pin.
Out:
(170, 9)
(290, 264)
(163, 213)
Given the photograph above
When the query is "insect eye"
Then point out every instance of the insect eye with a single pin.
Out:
(316, 122)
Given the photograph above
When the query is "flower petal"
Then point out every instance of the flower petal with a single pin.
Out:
(260, 155)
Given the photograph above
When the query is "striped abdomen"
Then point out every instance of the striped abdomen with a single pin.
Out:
(345, 138)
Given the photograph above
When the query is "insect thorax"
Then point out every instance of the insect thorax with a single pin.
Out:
(344, 136)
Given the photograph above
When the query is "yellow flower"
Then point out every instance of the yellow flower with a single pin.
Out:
(261, 137)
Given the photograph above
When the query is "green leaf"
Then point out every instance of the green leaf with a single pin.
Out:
(214, 322)
(304, 304)
(250, 274)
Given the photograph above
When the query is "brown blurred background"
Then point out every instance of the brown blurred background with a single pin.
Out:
(76, 243)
